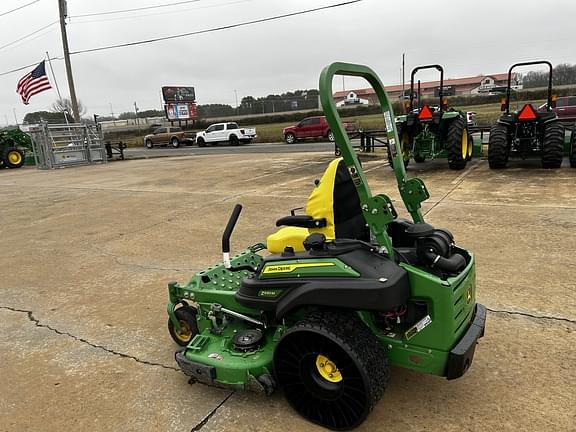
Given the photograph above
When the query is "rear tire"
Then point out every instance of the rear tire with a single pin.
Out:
(201, 142)
(330, 136)
(233, 140)
(149, 144)
(13, 158)
(404, 147)
(457, 144)
(290, 138)
(498, 147)
(573, 148)
(186, 315)
(332, 369)
(553, 146)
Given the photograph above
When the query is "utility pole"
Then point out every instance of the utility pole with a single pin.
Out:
(137, 120)
(63, 14)
(112, 114)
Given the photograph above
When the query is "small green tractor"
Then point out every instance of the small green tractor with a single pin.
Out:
(527, 132)
(13, 146)
(430, 132)
(335, 296)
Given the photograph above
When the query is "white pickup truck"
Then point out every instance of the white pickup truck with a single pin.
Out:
(225, 132)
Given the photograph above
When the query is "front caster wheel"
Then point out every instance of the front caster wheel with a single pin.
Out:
(188, 327)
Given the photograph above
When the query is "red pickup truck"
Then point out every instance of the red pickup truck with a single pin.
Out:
(312, 127)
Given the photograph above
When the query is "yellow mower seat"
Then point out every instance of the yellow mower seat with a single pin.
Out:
(334, 199)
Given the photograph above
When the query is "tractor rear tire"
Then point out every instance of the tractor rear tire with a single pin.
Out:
(332, 369)
(13, 158)
(498, 149)
(404, 147)
(573, 148)
(553, 146)
(457, 144)
(186, 315)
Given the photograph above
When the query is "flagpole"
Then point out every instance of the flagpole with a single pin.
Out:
(53, 75)
(57, 88)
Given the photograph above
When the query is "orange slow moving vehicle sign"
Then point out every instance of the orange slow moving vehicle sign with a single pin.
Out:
(425, 113)
(527, 113)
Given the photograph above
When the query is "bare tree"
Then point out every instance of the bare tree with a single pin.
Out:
(65, 105)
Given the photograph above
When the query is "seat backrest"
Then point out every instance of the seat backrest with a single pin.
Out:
(335, 198)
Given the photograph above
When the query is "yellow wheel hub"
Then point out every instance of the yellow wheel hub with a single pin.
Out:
(185, 332)
(405, 145)
(464, 144)
(14, 157)
(327, 369)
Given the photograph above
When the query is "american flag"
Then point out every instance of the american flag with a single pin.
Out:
(33, 83)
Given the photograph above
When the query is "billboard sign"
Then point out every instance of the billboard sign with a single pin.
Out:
(181, 111)
(178, 94)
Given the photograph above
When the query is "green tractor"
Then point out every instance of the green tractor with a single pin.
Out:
(430, 132)
(13, 146)
(335, 296)
(527, 132)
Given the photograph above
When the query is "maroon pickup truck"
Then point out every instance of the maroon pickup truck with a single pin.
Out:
(312, 127)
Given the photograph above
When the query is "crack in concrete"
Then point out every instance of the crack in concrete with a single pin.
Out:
(529, 315)
(118, 261)
(206, 419)
(37, 323)
(459, 180)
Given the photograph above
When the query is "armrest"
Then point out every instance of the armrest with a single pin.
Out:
(302, 221)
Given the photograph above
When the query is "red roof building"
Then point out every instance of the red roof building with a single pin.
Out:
(457, 86)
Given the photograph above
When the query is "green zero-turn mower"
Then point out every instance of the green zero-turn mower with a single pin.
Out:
(336, 296)
(430, 132)
(527, 132)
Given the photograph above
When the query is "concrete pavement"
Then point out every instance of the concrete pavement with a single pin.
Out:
(86, 254)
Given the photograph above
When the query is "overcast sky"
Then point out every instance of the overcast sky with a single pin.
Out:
(466, 37)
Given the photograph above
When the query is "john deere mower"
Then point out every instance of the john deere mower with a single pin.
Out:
(430, 132)
(527, 132)
(335, 296)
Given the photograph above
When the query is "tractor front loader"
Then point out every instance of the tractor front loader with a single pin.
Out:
(336, 295)
(430, 132)
(527, 132)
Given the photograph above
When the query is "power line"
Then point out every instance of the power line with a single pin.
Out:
(215, 29)
(28, 35)
(134, 9)
(28, 66)
(131, 17)
(18, 8)
(246, 23)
